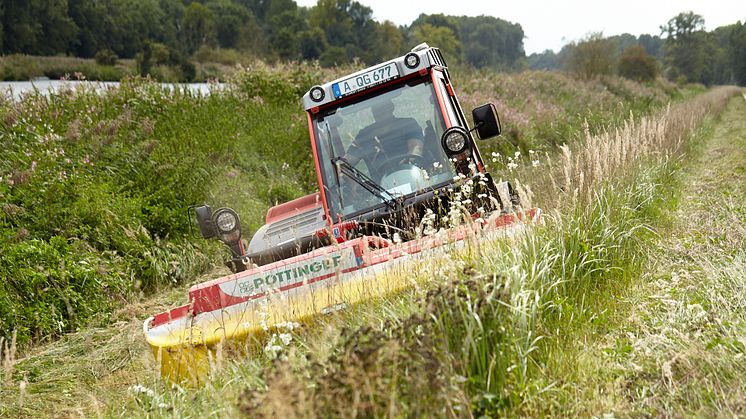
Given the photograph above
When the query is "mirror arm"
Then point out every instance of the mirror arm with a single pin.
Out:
(476, 126)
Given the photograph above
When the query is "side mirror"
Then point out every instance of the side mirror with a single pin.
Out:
(224, 224)
(486, 121)
(204, 220)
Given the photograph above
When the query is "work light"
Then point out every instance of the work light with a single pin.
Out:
(454, 141)
(226, 220)
(412, 60)
(317, 93)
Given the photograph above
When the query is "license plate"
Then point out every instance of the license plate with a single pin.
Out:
(368, 79)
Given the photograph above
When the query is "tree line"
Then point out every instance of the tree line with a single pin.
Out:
(684, 52)
(333, 31)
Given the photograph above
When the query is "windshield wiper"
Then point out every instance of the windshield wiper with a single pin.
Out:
(366, 182)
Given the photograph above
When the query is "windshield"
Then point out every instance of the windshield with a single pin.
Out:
(392, 139)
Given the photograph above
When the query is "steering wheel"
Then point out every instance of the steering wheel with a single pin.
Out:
(398, 162)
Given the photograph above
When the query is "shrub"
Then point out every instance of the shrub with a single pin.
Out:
(106, 57)
(591, 57)
(225, 56)
(636, 64)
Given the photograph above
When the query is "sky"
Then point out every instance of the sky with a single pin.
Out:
(551, 24)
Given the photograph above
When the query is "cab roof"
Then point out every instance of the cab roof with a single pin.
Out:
(428, 57)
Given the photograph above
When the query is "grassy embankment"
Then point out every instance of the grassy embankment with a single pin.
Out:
(24, 67)
(511, 327)
(126, 154)
(675, 346)
(501, 328)
(206, 65)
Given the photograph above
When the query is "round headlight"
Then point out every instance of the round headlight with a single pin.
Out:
(226, 220)
(412, 60)
(317, 94)
(454, 141)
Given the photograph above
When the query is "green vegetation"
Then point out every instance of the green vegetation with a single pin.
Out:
(636, 64)
(95, 186)
(92, 219)
(23, 67)
(79, 184)
(687, 54)
(174, 40)
(334, 32)
(544, 110)
(527, 308)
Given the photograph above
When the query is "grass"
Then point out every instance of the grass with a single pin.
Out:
(78, 193)
(24, 67)
(528, 297)
(679, 351)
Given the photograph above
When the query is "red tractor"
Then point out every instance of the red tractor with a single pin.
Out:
(399, 175)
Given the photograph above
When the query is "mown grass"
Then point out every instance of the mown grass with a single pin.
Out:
(682, 338)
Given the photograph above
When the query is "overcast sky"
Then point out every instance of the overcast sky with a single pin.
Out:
(551, 24)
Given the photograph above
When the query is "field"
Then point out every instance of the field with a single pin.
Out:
(553, 322)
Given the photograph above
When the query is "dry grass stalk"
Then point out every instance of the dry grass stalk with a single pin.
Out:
(8, 355)
(611, 154)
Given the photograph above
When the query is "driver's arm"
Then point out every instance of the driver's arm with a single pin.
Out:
(415, 145)
(351, 156)
(355, 151)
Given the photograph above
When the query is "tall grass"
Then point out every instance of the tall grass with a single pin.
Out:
(541, 111)
(487, 337)
(94, 185)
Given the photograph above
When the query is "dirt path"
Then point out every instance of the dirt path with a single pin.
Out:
(680, 347)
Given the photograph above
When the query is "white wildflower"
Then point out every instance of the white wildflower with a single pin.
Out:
(141, 389)
(286, 338)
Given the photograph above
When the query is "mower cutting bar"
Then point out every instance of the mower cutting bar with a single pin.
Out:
(236, 306)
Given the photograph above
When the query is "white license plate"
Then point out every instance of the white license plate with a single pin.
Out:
(368, 79)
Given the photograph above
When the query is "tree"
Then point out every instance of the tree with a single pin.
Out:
(546, 60)
(591, 57)
(198, 28)
(492, 42)
(312, 43)
(389, 41)
(685, 47)
(636, 64)
(348, 26)
(738, 53)
(19, 27)
(229, 18)
(441, 37)
(285, 34)
(653, 45)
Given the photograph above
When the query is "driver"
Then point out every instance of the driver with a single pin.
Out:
(386, 143)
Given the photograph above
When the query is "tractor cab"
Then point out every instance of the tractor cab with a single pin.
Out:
(390, 137)
(391, 143)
